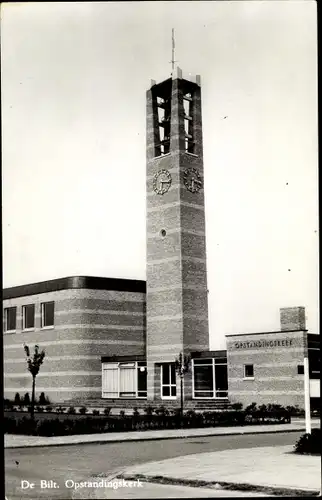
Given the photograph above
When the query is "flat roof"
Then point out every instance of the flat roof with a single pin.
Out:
(194, 355)
(263, 333)
(72, 282)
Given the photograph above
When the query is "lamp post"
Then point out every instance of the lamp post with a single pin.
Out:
(307, 406)
(182, 365)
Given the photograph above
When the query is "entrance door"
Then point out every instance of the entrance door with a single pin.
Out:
(168, 381)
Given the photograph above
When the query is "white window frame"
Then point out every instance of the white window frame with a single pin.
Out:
(6, 311)
(193, 379)
(118, 365)
(245, 376)
(213, 363)
(42, 315)
(167, 398)
(31, 328)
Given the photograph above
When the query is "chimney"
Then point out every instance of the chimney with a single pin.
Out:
(292, 318)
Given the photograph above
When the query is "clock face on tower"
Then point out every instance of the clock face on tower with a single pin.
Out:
(162, 181)
(192, 180)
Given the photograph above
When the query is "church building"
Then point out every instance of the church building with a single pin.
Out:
(118, 339)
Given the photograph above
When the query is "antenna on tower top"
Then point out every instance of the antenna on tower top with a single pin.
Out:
(173, 47)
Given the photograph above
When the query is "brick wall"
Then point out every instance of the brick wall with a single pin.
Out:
(275, 358)
(292, 318)
(88, 324)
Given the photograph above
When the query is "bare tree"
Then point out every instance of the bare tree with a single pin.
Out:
(182, 365)
(33, 363)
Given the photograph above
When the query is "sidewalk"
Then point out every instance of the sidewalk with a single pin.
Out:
(20, 441)
(268, 469)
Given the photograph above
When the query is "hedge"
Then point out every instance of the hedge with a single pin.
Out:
(309, 443)
(90, 425)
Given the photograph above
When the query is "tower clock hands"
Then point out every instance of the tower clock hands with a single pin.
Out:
(162, 181)
(192, 180)
(195, 181)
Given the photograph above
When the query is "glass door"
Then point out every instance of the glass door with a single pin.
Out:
(168, 381)
(221, 378)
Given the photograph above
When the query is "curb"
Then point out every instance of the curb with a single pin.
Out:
(159, 438)
(197, 483)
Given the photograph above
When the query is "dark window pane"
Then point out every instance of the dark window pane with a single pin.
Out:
(221, 394)
(221, 377)
(48, 309)
(142, 376)
(11, 318)
(314, 363)
(249, 370)
(300, 369)
(203, 378)
(166, 391)
(173, 373)
(173, 390)
(165, 374)
(220, 361)
(29, 316)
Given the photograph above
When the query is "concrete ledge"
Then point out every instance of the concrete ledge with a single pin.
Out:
(195, 483)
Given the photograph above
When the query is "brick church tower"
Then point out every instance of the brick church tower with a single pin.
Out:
(177, 303)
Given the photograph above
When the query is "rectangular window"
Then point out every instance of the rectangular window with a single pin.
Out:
(124, 380)
(300, 369)
(47, 314)
(168, 381)
(10, 319)
(203, 381)
(28, 317)
(248, 371)
(210, 378)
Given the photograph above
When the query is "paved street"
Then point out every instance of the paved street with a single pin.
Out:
(80, 462)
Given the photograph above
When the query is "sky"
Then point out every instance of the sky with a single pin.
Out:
(74, 81)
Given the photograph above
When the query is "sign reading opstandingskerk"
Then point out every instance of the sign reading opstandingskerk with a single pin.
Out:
(263, 343)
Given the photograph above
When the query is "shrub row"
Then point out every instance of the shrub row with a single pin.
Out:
(256, 411)
(25, 400)
(89, 425)
(309, 443)
(58, 409)
(162, 410)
